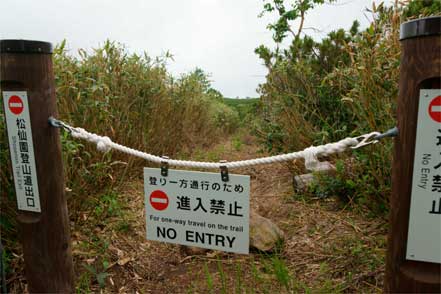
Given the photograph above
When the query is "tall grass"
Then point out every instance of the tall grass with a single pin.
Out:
(344, 85)
(135, 101)
(370, 87)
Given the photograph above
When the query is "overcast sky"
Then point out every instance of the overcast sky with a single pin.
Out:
(218, 36)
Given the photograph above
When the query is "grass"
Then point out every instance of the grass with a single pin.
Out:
(237, 143)
(343, 85)
(134, 100)
(329, 247)
(208, 278)
(222, 277)
(269, 274)
(238, 277)
(99, 275)
(326, 249)
(335, 251)
(281, 273)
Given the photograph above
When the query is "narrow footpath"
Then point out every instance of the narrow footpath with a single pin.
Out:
(327, 248)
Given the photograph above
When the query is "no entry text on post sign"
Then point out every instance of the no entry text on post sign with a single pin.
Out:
(424, 235)
(21, 148)
(198, 209)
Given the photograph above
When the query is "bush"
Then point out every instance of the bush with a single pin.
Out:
(136, 102)
(344, 85)
(132, 99)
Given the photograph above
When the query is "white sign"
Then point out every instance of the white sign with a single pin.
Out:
(21, 148)
(198, 209)
(424, 235)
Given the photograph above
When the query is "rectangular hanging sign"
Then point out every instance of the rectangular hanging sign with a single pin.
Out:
(198, 209)
(21, 147)
(424, 234)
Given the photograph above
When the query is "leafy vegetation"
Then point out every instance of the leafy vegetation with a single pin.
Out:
(315, 92)
(245, 108)
(135, 101)
(343, 85)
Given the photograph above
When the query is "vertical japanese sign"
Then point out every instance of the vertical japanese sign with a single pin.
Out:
(198, 209)
(21, 147)
(424, 235)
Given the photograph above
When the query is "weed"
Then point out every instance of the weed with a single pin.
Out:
(343, 85)
(237, 143)
(83, 284)
(5, 259)
(123, 226)
(99, 274)
(238, 277)
(208, 278)
(111, 92)
(339, 184)
(190, 288)
(281, 272)
(213, 155)
(222, 276)
(255, 273)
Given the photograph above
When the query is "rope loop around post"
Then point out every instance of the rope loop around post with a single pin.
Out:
(311, 160)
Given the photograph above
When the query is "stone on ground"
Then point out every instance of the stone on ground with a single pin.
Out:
(302, 182)
(323, 167)
(191, 250)
(264, 234)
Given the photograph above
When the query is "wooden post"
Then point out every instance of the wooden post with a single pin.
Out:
(27, 66)
(420, 69)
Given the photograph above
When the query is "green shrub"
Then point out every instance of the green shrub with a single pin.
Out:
(132, 99)
(344, 85)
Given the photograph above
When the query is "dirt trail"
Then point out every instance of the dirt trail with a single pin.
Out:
(326, 249)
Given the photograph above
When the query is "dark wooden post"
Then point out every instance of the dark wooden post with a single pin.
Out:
(420, 69)
(27, 66)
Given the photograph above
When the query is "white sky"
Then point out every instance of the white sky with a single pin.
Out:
(218, 36)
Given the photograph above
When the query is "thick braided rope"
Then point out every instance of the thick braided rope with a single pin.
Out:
(310, 154)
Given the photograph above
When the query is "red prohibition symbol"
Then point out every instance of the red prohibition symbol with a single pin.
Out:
(159, 200)
(435, 109)
(15, 105)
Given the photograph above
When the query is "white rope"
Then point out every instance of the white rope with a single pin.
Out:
(310, 154)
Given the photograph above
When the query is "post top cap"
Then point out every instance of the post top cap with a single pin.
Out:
(421, 27)
(25, 46)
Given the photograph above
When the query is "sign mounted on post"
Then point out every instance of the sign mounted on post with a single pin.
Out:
(21, 148)
(198, 209)
(424, 235)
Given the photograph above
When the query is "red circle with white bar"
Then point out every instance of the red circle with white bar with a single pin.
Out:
(158, 200)
(15, 105)
(435, 109)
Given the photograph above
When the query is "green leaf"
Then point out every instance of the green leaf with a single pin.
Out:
(90, 268)
(101, 278)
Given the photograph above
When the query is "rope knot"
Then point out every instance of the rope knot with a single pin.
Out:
(311, 160)
(79, 133)
(103, 144)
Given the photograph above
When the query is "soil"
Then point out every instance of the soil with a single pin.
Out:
(328, 246)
